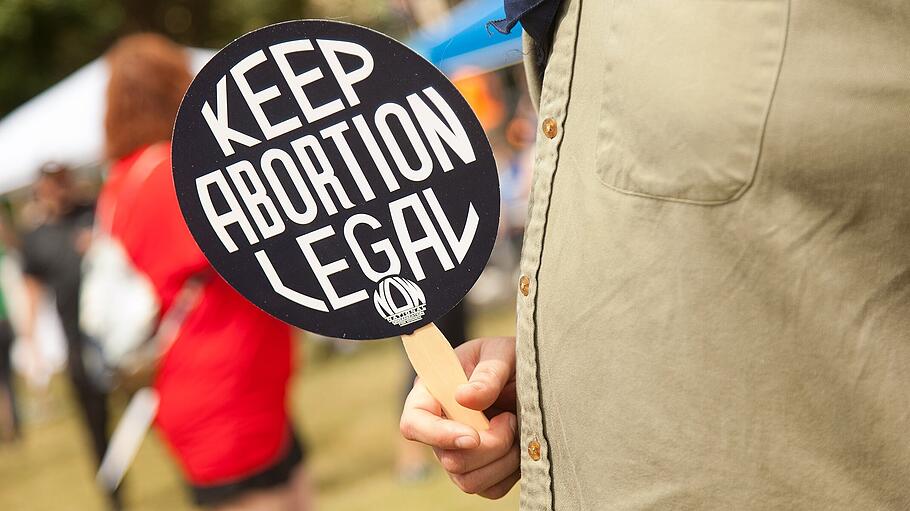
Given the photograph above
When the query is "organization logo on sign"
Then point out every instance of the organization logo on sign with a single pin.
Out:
(400, 301)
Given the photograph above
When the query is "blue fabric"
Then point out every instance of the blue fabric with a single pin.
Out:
(536, 18)
(463, 40)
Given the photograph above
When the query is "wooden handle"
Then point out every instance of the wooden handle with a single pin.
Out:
(439, 369)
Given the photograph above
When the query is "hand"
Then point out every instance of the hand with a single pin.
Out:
(485, 462)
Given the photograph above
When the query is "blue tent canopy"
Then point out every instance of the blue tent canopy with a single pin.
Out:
(463, 44)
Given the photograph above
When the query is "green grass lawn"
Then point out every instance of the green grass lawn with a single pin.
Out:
(346, 405)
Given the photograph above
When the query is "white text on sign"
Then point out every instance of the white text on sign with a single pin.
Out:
(295, 182)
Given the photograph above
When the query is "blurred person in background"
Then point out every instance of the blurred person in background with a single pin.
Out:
(515, 175)
(51, 252)
(223, 382)
(9, 416)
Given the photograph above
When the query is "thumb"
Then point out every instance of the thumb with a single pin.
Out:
(493, 371)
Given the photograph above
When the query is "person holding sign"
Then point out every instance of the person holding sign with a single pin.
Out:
(349, 202)
(714, 307)
(223, 381)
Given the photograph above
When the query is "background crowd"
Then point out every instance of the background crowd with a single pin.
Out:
(57, 406)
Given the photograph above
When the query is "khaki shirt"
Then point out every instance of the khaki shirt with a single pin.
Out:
(714, 312)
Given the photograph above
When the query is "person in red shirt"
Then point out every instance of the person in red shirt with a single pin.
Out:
(223, 381)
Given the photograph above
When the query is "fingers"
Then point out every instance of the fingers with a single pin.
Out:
(494, 444)
(491, 469)
(485, 462)
(421, 421)
(484, 479)
(502, 488)
(493, 371)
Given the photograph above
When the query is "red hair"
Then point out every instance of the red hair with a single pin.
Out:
(149, 75)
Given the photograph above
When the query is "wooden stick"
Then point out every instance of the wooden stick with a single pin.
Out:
(439, 369)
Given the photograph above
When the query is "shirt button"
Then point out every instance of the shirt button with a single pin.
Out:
(549, 127)
(534, 450)
(524, 284)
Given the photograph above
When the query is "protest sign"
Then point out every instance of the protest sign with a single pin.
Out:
(338, 181)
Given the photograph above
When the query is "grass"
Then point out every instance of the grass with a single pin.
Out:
(346, 405)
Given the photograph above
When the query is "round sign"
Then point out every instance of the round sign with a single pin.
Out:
(336, 179)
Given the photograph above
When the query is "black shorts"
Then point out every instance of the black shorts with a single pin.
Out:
(273, 476)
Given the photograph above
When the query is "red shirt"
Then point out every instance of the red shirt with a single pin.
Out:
(223, 383)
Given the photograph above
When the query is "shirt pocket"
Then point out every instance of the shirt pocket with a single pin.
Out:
(687, 89)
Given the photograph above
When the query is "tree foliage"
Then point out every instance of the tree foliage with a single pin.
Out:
(42, 41)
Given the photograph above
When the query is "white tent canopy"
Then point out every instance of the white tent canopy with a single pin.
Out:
(62, 124)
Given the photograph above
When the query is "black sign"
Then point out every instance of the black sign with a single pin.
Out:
(336, 179)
